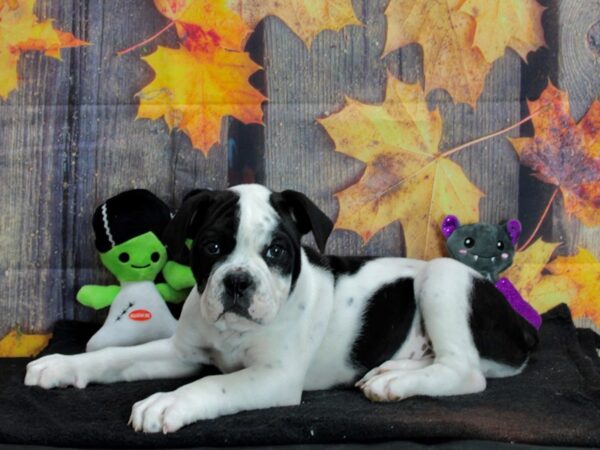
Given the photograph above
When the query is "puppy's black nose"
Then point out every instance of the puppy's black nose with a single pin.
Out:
(237, 284)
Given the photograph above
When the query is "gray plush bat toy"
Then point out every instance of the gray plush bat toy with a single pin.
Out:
(489, 249)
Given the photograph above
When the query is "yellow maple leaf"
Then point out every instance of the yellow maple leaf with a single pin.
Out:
(21, 31)
(406, 178)
(17, 344)
(194, 90)
(526, 272)
(564, 153)
(578, 278)
(506, 23)
(205, 22)
(450, 61)
(306, 18)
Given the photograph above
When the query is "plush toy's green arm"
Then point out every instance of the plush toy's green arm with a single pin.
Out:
(171, 295)
(97, 297)
(178, 276)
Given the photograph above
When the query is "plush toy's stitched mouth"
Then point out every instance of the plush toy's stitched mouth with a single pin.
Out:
(476, 257)
(140, 267)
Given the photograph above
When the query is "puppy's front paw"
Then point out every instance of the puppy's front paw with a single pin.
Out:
(386, 386)
(163, 411)
(55, 371)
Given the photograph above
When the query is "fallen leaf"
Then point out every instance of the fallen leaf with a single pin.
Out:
(525, 273)
(12, 4)
(306, 18)
(506, 23)
(21, 31)
(16, 344)
(203, 23)
(564, 153)
(581, 273)
(574, 280)
(194, 90)
(406, 178)
(450, 60)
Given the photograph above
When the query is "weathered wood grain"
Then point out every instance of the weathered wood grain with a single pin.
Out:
(69, 138)
(33, 149)
(112, 151)
(305, 84)
(579, 75)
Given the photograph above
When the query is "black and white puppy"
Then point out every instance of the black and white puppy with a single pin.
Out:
(278, 319)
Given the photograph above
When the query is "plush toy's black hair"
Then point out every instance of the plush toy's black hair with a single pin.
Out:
(127, 215)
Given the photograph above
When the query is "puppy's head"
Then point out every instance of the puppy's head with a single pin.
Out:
(245, 254)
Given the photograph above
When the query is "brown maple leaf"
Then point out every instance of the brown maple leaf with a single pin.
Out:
(306, 18)
(450, 60)
(406, 178)
(21, 31)
(506, 23)
(565, 153)
(195, 90)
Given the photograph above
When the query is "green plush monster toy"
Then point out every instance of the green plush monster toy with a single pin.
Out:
(128, 227)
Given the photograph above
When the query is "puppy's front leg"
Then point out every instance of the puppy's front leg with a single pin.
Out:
(213, 396)
(157, 359)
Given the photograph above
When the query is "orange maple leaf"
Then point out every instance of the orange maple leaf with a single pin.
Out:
(17, 344)
(202, 23)
(194, 90)
(564, 153)
(306, 18)
(506, 23)
(21, 31)
(450, 60)
(406, 178)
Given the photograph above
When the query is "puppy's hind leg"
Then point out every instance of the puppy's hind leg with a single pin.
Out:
(156, 359)
(442, 291)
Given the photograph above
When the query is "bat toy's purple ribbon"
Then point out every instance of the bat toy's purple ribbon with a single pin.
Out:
(517, 302)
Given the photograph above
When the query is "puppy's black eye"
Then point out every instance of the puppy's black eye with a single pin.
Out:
(469, 242)
(500, 245)
(124, 257)
(212, 248)
(155, 256)
(275, 251)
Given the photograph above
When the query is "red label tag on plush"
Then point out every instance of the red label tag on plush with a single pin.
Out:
(140, 315)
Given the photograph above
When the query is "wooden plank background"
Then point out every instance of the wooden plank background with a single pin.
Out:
(69, 138)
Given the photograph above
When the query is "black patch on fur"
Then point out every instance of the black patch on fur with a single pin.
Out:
(288, 236)
(386, 322)
(499, 333)
(337, 265)
(217, 223)
(289, 262)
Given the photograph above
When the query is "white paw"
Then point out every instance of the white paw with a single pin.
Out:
(387, 386)
(394, 364)
(162, 412)
(55, 371)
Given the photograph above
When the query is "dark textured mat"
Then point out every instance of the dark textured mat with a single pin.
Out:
(556, 401)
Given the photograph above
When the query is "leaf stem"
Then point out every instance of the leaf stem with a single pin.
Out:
(489, 136)
(145, 41)
(544, 214)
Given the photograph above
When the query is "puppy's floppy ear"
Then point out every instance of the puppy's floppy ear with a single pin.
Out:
(308, 217)
(185, 224)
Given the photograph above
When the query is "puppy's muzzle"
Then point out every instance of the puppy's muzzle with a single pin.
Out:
(239, 288)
